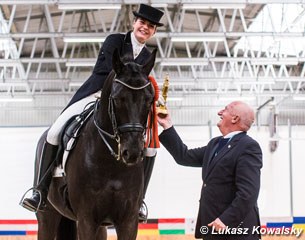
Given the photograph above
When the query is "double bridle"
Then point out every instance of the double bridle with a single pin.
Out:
(117, 130)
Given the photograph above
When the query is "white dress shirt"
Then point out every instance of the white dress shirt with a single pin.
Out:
(136, 46)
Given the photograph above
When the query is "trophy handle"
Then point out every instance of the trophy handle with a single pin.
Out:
(162, 109)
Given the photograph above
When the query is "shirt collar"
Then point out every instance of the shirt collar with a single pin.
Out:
(136, 45)
(232, 134)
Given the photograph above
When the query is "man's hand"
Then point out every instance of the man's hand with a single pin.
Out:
(165, 121)
(217, 224)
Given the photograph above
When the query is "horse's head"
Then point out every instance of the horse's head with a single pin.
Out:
(130, 102)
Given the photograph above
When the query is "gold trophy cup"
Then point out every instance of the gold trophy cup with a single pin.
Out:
(162, 109)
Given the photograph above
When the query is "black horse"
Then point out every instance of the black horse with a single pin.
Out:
(104, 173)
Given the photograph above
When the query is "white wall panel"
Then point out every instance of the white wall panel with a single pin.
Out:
(17, 167)
(174, 190)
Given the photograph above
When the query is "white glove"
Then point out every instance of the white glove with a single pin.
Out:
(160, 101)
(98, 94)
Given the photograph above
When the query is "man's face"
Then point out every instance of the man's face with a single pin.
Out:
(226, 119)
(143, 29)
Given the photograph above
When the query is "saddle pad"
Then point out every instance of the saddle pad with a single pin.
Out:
(70, 136)
(60, 169)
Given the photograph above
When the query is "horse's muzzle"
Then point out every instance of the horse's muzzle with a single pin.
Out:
(131, 148)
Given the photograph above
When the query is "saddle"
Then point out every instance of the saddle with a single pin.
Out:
(69, 136)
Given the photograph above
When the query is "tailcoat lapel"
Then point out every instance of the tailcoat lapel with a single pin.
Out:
(143, 55)
(127, 45)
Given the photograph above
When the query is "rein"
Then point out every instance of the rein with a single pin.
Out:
(102, 132)
(127, 127)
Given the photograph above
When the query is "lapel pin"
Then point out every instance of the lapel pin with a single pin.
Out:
(229, 146)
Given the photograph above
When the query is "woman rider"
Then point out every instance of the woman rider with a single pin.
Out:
(145, 24)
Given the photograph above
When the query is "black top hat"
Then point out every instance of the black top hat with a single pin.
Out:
(149, 13)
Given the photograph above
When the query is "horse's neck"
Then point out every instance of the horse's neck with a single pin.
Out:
(100, 129)
(103, 116)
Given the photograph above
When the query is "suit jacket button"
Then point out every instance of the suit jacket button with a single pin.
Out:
(204, 185)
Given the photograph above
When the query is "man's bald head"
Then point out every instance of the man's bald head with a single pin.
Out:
(237, 116)
(246, 114)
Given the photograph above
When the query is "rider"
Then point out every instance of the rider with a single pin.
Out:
(145, 24)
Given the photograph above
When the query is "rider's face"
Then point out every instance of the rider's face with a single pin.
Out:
(143, 29)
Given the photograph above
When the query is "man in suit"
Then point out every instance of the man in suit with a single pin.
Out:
(145, 23)
(230, 174)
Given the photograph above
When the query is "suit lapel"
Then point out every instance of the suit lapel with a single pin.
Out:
(221, 153)
(214, 147)
(230, 145)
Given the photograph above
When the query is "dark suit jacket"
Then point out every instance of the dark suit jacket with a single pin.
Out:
(231, 182)
(103, 65)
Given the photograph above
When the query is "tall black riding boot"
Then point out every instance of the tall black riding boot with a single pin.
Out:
(43, 177)
(148, 168)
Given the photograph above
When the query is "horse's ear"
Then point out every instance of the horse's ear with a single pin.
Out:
(150, 63)
(117, 64)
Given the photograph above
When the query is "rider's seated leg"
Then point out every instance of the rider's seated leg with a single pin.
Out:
(44, 176)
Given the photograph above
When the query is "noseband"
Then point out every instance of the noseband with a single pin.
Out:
(117, 130)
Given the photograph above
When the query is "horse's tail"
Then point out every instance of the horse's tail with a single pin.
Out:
(66, 230)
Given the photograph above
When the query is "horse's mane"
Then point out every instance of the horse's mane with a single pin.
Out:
(127, 58)
(107, 85)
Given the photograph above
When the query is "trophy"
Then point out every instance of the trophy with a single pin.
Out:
(162, 109)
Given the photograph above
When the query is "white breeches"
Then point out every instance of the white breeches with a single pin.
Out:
(74, 109)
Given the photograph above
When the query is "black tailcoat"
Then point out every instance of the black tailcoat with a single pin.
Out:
(103, 65)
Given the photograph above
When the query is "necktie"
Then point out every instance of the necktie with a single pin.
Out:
(222, 142)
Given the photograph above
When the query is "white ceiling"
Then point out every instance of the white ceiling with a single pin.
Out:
(213, 52)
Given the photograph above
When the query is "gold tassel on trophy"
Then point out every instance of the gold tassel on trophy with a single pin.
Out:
(162, 109)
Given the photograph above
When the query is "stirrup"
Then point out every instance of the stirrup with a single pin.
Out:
(30, 207)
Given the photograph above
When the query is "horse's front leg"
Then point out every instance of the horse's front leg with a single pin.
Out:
(127, 230)
(48, 223)
(87, 229)
(102, 233)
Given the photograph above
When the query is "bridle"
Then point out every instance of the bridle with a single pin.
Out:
(117, 130)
